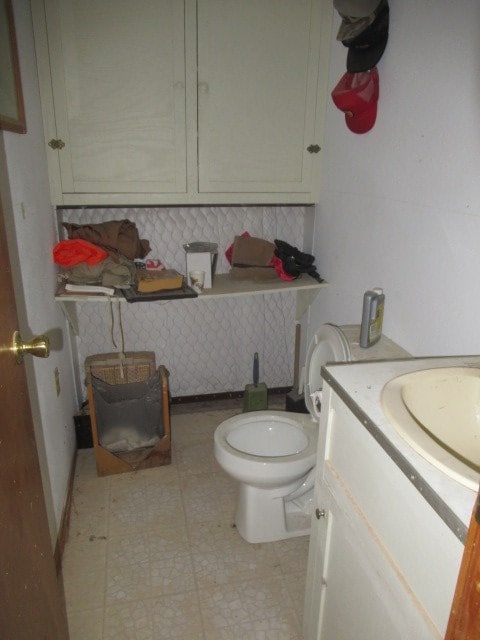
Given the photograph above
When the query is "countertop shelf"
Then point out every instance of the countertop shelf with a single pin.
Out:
(223, 285)
(305, 287)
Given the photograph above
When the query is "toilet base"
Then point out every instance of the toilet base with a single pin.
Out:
(261, 515)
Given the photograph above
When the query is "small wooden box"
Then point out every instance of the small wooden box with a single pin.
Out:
(133, 367)
(152, 280)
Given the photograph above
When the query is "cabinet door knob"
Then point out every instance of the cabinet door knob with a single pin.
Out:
(56, 143)
(320, 513)
(313, 148)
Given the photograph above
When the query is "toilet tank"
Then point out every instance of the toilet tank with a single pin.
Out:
(384, 349)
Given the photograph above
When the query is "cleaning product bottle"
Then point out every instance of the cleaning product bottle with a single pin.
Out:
(372, 317)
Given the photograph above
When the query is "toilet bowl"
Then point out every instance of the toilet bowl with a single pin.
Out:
(272, 454)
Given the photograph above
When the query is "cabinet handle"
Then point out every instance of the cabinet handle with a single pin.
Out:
(320, 513)
(56, 143)
(313, 148)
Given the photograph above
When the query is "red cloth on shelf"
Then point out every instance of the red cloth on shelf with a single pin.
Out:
(278, 266)
(68, 253)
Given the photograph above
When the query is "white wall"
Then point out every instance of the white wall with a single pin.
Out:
(32, 235)
(401, 204)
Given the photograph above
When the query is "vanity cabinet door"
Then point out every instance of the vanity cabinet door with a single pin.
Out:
(356, 589)
(118, 90)
(258, 77)
(362, 596)
(315, 591)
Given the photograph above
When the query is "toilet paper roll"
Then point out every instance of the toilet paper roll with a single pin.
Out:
(316, 397)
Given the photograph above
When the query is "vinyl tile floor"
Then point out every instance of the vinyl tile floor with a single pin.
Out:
(154, 554)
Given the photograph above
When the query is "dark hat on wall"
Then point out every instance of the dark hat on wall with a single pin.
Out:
(356, 8)
(356, 16)
(366, 48)
(356, 94)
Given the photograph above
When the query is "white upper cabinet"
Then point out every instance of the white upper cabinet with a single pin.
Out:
(183, 102)
(257, 90)
(118, 82)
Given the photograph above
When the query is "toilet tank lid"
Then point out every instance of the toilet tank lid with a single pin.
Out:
(328, 344)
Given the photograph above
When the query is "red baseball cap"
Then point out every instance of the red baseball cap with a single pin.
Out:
(356, 95)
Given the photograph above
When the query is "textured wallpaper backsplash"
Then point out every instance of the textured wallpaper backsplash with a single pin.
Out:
(207, 345)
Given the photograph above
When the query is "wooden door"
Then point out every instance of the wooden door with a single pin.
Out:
(31, 599)
(464, 622)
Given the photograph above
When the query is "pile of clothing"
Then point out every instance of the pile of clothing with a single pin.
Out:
(100, 254)
(257, 259)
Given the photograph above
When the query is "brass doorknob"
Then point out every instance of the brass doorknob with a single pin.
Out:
(38, 346)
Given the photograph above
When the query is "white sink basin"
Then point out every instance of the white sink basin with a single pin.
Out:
(437, 411)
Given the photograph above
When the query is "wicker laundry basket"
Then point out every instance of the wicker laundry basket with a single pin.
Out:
(118, 369)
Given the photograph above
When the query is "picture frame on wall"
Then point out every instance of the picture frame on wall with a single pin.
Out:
(12, 111)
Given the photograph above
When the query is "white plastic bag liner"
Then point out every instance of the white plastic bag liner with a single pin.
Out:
(129, 416)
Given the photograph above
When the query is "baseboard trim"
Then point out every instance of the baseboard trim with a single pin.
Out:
(228, 395)
(64, 529)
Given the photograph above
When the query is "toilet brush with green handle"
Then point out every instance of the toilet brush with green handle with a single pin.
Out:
(255, 397)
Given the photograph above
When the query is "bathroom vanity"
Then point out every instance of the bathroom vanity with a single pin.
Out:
(388, 528)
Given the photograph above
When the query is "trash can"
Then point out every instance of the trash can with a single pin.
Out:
(129, 411)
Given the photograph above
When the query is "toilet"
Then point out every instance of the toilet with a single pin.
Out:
(272, 454)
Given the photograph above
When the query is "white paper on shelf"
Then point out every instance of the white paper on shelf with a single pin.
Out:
(89, 288)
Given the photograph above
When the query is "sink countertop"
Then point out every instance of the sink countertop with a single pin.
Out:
(360, 385)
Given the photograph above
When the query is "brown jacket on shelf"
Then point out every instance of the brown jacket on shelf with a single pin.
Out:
(115, 235)
(252, 259)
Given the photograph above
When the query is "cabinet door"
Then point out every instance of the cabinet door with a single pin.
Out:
(315, 591)
(258, 74)
(118, 78)
(361, 597)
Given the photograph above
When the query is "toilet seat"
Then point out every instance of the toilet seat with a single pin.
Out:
(329, 344)
(269, 436)
(262, 470)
